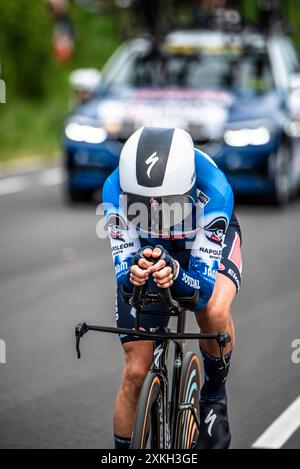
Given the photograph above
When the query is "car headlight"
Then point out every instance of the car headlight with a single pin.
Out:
(113, 127)
(85, 133)
(244, 137)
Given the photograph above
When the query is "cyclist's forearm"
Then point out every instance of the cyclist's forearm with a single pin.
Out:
(186, 282)
(124, 280)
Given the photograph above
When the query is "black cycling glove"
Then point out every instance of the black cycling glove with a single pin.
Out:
(165, 256)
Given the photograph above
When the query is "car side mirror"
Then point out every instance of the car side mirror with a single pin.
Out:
(294, 95)
(295, 83)
(84, 82)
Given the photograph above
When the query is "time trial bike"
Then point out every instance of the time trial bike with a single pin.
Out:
(167, 414)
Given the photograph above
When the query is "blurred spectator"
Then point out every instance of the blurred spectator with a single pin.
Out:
(271, 13)
(219, 14)
(149, 14)
(83, 83)
(63, 36)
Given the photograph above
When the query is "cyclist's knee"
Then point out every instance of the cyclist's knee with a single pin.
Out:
(218, 313)
(138, 360)
(216, 316)
(134, 376)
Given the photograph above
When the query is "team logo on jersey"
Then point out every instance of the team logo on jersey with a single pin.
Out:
(116, 226)
(215, 230)
(202, 199)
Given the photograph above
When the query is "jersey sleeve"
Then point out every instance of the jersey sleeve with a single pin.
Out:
(124, 239)
(216, 200)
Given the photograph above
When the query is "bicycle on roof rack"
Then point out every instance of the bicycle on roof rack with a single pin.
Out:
(167, 414)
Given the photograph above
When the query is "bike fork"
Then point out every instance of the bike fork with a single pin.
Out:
(165, 437)
(188, 407)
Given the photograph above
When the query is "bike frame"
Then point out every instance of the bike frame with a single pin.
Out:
(159, 367)
(161, 338)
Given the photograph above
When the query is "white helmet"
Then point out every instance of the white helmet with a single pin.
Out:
(157, 169)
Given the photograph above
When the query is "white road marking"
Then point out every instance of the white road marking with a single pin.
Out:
(281, 429)
(51, 177)
(48, 177)
(13, 184)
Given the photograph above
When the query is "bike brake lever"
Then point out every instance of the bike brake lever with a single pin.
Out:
(80, 330)
(223, 340)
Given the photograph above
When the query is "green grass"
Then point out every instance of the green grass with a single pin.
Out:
(33, 127)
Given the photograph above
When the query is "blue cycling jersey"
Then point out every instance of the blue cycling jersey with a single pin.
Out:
(200, 254)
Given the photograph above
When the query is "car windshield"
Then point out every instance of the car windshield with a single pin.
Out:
(246, 71)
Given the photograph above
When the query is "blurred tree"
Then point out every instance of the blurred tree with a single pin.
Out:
(25, 45)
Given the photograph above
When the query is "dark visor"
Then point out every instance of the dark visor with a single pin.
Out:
(157, 215)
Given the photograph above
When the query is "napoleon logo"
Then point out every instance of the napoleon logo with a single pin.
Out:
(116, 226)
(215, 230)
(150, 162)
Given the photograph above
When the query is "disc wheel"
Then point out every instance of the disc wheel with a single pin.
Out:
(187, 430)
(148, 429)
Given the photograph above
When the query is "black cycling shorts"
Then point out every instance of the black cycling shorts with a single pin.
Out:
(231, 266)
(231, 262)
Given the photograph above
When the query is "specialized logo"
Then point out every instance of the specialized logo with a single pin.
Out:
(177, 363)
(216, 230)
(157, 353)
(116, 226)
(151, 161)
(210, 420)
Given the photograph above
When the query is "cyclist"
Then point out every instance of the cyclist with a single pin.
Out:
(188, 223)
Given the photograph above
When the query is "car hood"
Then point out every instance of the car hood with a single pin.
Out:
(204, 113)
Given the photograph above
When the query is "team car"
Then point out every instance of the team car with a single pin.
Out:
(237, 94)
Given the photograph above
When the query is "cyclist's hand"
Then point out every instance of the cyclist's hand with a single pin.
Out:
(156, 253)
(139, 273)
(138, 276)
(162, 273)
(144, 263)
(164, 277)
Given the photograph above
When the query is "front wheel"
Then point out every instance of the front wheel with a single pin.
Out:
(148, 429)
(187, 430)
